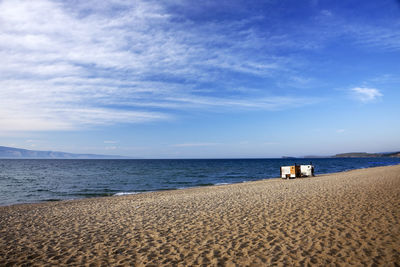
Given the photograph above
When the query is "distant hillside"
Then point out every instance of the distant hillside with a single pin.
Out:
(366, 155)
(18, 153)
(316, 157)
(352, 155)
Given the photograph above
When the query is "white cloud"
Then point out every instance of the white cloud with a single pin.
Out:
(340, 131)
(54, 53)
(365, 94)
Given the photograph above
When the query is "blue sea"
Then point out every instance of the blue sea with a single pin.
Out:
(37, 180)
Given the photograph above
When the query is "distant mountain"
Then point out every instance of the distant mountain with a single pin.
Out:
(366, 155)
(316, 157)
(353, 155)
(18, 153)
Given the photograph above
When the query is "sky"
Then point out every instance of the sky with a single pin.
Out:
(200, 79)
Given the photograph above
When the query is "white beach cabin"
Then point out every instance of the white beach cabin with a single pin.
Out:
(288, 172)
(307, 170)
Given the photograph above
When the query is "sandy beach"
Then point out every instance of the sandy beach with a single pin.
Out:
(349, 218)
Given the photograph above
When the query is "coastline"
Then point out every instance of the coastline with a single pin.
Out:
(36, 181)
(349, 217)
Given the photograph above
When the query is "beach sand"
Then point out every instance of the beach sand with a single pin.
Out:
(348, 218)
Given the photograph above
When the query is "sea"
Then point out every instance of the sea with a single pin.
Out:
(38, 180)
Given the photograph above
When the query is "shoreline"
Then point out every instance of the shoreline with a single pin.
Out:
(345, 218)
(122, 194)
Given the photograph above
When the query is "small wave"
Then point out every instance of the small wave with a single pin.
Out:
(222, 183)
(180, 188)
(126, 193)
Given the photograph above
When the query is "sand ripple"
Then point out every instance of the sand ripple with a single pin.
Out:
(350, 218)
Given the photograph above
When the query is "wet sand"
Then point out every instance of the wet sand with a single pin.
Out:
(348, 218)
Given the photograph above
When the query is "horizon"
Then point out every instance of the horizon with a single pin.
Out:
(117, 157)
(209, 80)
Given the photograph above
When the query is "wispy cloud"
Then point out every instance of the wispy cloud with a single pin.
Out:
(378, 37)
(72, 65)
(365, 94)
(357, 29)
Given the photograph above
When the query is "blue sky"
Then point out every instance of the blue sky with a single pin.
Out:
(200, 79)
